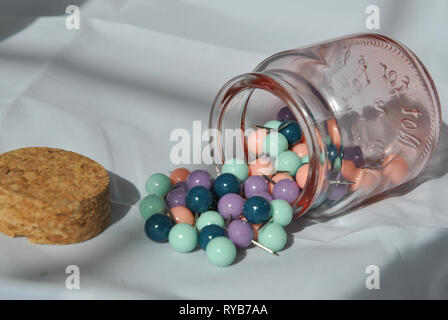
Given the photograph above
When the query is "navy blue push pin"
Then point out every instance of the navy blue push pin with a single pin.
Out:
(210, 232)
(257, 210)
(292, 131)
(332, 152)
(226, 183)
(157, 227)
(198, 199)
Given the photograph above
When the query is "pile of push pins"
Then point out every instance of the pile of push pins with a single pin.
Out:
(247, 203)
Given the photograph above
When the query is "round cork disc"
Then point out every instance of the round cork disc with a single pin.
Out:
(52, 196)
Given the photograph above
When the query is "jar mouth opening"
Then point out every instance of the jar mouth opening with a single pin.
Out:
(234, 102)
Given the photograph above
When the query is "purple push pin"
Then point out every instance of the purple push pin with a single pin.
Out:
(199, 178)
(355, 154)
(241, 233)
(176, 197)
(337, 190)
(230, 206)
(255, 185)
(265, 195)
(287, 190)
(285, 114)
(181, 185)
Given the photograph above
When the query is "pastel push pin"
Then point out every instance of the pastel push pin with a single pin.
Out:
(255, 185)
(176, 197)
(221, 251)
(333, 130)
(236, 167)
(288, 161)
(183, 237)
(198, 199)
(241, 233)
(281, 212)
(292, 131)
(159, 184)
(349, 170)
(274, 144)
(230, 206)
(261, 166)
(301, 150)
(338, 189)
(210, 232)
(157, 227)
(199, 178)
(273, 236)
(286, 190)
(354, 154)
(366, 179)
(179, 175)
(152, 204)
(302, 175)
(226, 183)
(182, 215)
(273, 124)
(285, 114)
(279, 176)
(395, 168)
(265, 195)
(257, 210)
(255, 141)
(181, 185)
(207, 218)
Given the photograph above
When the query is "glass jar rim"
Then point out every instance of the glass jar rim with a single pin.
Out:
(300, 108)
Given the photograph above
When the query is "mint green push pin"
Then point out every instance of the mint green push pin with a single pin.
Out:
(273, 124)
(159, 184)
(288, 161)
(273, 236)
(237, 167)
(281, 212)
(274, 144)
(183, 237)
(207, 218)
(152, 204)
(221, 251)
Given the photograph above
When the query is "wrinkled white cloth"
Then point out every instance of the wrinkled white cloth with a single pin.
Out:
(137, 69)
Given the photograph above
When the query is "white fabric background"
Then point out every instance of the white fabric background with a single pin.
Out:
(136, 70)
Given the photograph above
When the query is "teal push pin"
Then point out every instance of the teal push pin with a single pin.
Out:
(281, 212)
(159, 184)
(288, 161)
(183, 237)
(152, 204)
(273, 124)
(272, 236)
(274, 144)
(237, 167)
(221, 251)
(209, 217)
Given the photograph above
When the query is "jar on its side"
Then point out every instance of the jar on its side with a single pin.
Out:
(367, 95)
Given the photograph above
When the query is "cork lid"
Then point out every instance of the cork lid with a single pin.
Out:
(54, 177)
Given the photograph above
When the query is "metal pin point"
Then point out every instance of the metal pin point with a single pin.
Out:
(340, 182)
(259, 245)
(284, 126)
(196, 216)
(268, 179)
(173, 220)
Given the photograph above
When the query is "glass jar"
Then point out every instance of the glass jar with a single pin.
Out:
(367, 95)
